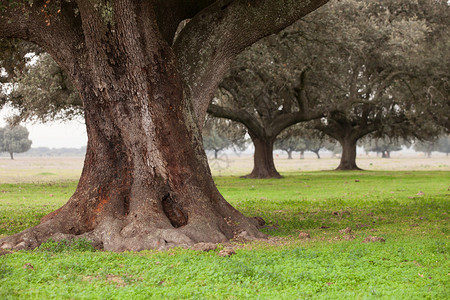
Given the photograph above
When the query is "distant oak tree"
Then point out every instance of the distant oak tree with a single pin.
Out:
(14, 139)
(221, 134)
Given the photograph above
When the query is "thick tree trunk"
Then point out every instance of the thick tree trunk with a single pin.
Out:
(289, 153)
(263, 167)
(146, 182)
(348, 157)
(11, 155)
(137, 191)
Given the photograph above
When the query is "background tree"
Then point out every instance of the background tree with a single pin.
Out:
(300, 138)
(427, 147)
(289, 140)
(221, 134)
(381, 52)
(315, 142)
(266, 91)
(443, 144)
(334, 147)
(382, 145)
(14, 140)
(389, 81)
(145, 182)
(42, 92)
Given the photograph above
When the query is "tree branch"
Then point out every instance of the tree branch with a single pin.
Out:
(240, 116)
(57, 30)
(283, 121)
(209, 42)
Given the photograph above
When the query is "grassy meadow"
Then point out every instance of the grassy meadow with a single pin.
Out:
(318, 223)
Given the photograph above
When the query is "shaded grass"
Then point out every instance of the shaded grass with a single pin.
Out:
(408, 209)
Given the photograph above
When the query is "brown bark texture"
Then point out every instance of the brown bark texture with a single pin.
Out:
(348, 156)
(263, 164)
(145, 183)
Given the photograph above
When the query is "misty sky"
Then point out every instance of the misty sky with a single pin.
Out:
(70, 134)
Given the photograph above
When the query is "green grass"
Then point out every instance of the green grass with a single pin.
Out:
(23, 205)
(408, 209)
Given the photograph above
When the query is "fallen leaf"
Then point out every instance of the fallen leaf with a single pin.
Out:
(304, 235)
(226, 252)
(346, 230)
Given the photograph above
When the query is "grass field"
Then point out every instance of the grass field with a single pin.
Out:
(408, 211)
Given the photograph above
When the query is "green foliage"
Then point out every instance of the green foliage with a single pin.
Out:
(14, 140)
(43, 92)
(412, 263)
(384, 72)
(74, 245)
(221, 134)
(301, 138)
(383, 145)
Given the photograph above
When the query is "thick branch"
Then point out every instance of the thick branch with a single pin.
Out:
(283, 121)
(240, 116)
(301, 95)
(209, 42)
(57, 31)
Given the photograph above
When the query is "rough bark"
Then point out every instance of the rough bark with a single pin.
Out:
(348, 157)
(11, 155)
(145, 182)
(263, 164)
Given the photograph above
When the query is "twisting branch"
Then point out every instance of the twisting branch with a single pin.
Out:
(54, 27)
(241, 116)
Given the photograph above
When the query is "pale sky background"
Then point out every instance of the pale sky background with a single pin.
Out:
(70, 134)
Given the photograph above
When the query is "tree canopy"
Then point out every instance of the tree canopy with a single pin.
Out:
(220, 134)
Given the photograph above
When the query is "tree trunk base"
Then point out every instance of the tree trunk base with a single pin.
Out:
(139, 232)
(348, 168)
(112, 236)
(262, 176)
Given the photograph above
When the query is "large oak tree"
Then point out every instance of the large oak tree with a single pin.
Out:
(145, 85)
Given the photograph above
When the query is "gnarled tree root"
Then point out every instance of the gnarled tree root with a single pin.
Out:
(123, 235)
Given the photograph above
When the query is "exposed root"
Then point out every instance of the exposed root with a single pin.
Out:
(114, 235)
